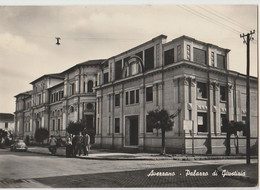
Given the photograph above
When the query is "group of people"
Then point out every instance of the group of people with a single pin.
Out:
(75, 145)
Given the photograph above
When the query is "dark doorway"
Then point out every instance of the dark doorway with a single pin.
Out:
(133, 131)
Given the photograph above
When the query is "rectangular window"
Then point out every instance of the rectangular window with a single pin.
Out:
(201, 90)
(202, 122)
(149, 94)
(118, 70)
(221, 61)
(132, 97)
(223, 123)
(199, 56)
(149, 59)
(126, 98)
(178, 53)
(149, 128)
(117, 100)
(53, 124)
(58, 124)
(72, 89)
(105, 77)
(188, 52)
(137, 96)
(169, 56)
(223, 93)
(6, 125)
(117, 125)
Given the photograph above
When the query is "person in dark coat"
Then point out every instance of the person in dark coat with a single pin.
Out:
(74, 141)
(69, 148)
(79, 140)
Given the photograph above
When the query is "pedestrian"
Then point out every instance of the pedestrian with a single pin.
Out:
(74, 142)
(85, 143)
(53, 143)
(79, 140)
(69, 148)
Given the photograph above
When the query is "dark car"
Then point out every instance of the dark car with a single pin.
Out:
(18, 145)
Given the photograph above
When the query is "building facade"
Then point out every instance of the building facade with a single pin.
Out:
(57, 99)
(184, 74)
(115, 95)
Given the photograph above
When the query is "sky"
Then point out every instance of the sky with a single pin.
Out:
(28, 47)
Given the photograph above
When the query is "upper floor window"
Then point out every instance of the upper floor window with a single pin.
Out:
(126, 98)
(201, 90)
(117, 100)
(137, 96)
(105, 78)
(39, 99)
(132, 97)
(90, 86)
(199, 56)
(169, 56)
(118, 70)
(6, 125)
(223, 93)
(221, 61)
(149, 94)
(72, 89)
(149, 59)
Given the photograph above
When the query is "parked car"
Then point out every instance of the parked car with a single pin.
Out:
(18, 145)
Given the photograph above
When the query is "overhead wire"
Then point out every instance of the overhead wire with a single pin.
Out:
(189, 9)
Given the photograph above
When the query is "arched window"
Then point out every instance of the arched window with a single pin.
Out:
(90, 86)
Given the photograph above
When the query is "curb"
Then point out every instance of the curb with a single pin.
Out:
(244, 178)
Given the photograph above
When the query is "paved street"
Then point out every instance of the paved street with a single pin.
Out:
(22, 169)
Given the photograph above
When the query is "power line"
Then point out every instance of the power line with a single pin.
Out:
(209, 19)
(227, 18)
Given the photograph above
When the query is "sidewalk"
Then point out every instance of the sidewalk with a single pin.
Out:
(103, 154)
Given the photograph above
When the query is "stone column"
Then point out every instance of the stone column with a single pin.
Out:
(193, 104)
(230, 100)
(75, 105)
(122, 120)
(155, 95)
(211, 106)
(64, 117)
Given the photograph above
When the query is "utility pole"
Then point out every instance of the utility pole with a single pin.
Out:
(247, 37)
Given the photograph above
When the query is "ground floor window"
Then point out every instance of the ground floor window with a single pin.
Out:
(117, 125)
(223, 123)
(149, 128)
(202, 121)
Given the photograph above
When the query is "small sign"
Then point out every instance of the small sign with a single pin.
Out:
(187, 125)
(200, 120)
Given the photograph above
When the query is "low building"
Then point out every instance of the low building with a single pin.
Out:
(7, 122)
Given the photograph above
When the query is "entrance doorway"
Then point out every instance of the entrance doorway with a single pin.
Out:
(132, 131)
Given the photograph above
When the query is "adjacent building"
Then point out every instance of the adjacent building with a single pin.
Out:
(7, 122)
(115, 95)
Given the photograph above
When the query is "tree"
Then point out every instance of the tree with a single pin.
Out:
(75, 127)
(160, 119)
(232, 128)
(41, 134)
(3, 134)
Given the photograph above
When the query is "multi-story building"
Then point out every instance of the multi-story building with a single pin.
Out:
(115, 95)
(57, 99)
(184, 74)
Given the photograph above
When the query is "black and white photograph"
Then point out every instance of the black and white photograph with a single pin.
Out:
(129, 95)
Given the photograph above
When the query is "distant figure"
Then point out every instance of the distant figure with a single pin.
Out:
(85, 144)
(69, 147)
(74, 142)
(53, 143)
(79, 140)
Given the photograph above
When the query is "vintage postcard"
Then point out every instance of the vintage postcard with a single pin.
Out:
(129, 96)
